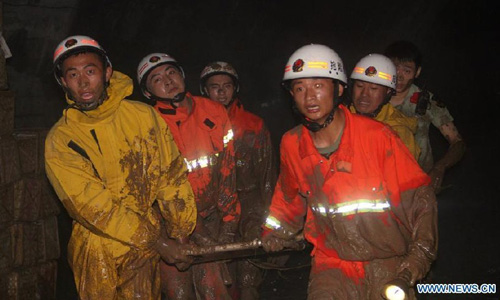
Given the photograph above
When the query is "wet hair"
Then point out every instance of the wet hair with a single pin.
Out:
(404, 51)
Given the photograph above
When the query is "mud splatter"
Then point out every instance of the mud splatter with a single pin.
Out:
(140, 165)
(177, 172)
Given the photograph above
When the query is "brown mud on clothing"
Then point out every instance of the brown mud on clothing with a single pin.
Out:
(174, 169)
(140, 178)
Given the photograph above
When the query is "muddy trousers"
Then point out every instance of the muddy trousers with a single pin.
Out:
(134, 275)
(249, 279)
(333, 284)
(201, 281)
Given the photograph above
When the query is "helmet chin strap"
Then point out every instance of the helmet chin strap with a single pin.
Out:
(173, 101)
(314, 126)
(84, 106)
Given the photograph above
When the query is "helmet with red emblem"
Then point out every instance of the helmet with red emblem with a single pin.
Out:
(376, 68)
(73, 45)
(151, 61)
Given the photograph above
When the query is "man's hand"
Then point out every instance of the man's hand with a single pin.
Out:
(272, 243)
(171, 251)
(437, 174)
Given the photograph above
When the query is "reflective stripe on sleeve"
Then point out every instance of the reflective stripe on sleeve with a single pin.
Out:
(272, 223)
(228, 137)
(353, 207)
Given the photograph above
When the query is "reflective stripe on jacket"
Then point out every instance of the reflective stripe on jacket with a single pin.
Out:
(205, 139)
(358, 204)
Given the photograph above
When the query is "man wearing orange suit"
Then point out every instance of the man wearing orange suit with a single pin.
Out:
(255, 165)
(203, 134)
(354, 189)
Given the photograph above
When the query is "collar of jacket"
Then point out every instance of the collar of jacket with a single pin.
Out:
(120, 87)
(393, 117)
(344, 151)
(175, 113)
(235, 108)
(181, 113)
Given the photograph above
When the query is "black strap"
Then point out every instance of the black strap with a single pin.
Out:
(94, 135)
(74, 146)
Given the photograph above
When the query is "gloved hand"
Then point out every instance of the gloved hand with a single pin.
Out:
(273, 243)
(172, 252)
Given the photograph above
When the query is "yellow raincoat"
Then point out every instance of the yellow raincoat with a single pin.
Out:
(405, 127)
(108, 166)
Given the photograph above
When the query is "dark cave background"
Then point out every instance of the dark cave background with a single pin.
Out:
(460, 45)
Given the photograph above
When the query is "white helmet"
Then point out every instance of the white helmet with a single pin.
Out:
(152, 61)
(75, 44)
(315, 61)
(376, 68)
(217, 68)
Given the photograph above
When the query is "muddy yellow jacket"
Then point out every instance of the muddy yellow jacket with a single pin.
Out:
(405, 127)
(109, 165)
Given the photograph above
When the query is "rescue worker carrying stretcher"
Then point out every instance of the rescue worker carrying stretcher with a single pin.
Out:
(203, 134)
(373, 82)
(110, 161)
(353, 188)
(255, 165)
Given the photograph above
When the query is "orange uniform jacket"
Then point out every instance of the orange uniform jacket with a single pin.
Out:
(255, 165)
(358, 204)
(205, 139)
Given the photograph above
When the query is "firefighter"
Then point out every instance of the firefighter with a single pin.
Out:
(255, 166)
(114, 165)
(416, 102)
(203, 133)
(373, 82)
(352, 187)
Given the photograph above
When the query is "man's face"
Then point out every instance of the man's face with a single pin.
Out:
(83, 75)
(367, 96)
(314, 97)
(220, 88)
(407, 71)
(165, 81)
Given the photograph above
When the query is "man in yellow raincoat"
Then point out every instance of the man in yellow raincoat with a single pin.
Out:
(116, 168)
(373, 84)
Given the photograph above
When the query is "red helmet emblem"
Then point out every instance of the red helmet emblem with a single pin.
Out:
(370, 71)
(154, 59)
(70, 43)
(298, 65)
